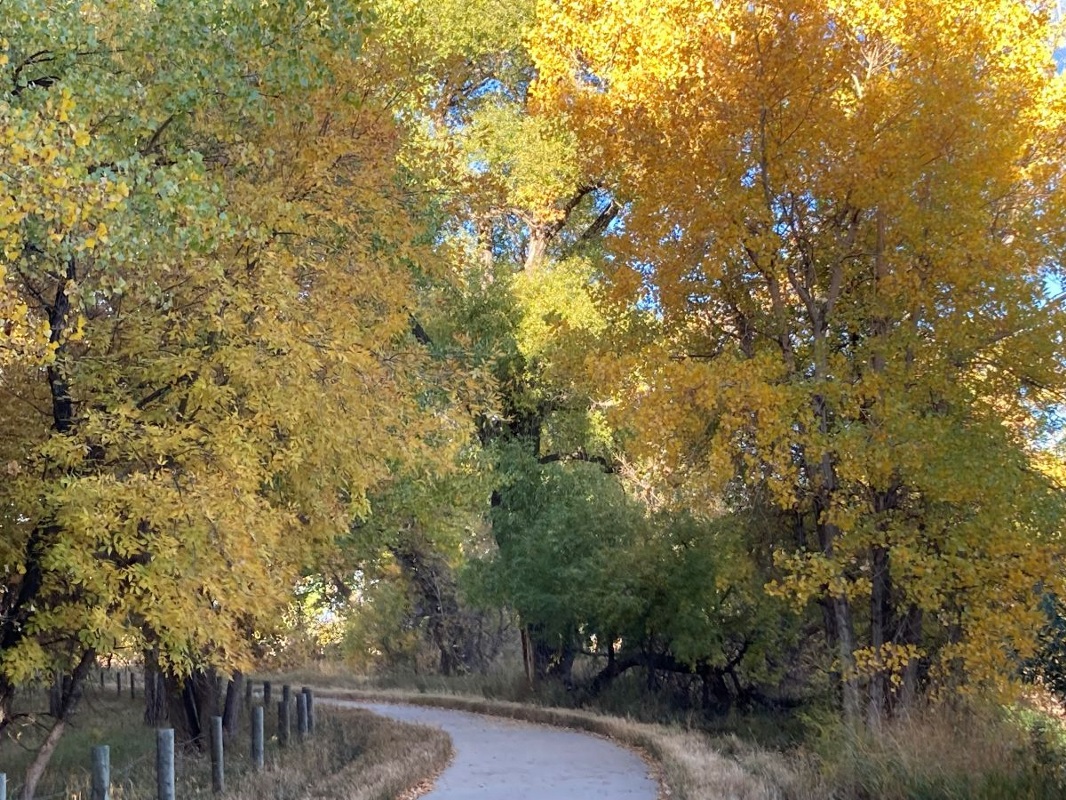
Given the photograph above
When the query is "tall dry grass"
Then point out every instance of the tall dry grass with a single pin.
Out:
(974, 752)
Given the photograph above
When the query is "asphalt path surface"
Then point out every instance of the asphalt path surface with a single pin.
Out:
(500, 759)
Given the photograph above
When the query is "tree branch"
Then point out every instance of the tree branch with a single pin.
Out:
(579, 455)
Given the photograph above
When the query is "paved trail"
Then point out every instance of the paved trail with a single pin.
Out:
(497, 759)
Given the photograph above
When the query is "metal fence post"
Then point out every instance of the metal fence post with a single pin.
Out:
(101, 771)
(218, 773)
(164, 763)
(257, 738)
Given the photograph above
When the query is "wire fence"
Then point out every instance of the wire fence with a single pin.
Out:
(129, 778)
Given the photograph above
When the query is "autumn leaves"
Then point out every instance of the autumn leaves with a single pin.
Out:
(781, 262)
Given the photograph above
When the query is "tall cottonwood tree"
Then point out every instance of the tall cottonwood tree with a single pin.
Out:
(207, 357)
(843, 215)
(514, 216)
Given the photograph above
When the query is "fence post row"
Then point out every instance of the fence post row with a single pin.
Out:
(164, 763)
(101, 754)
(101, 771)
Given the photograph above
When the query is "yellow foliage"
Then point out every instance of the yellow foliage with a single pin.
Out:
(841, 218)
(206, 360)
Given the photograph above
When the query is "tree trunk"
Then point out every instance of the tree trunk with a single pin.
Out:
(880, 613)
(192, 702)
(563, 664)
(40, 760)
(155, 693)
(552, 657)
(436, 597)
(68, 701)
(846, 653)
(55, 694)
(232, 710)
(911, 635)
(528, 659)
(843, 628)
(17, 609)
(536, 247)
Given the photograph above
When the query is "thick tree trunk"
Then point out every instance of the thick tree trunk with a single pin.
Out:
(840, 626)
(846, 654)
(552, 657)
(181, 712)
(191, 703)
(911, 635)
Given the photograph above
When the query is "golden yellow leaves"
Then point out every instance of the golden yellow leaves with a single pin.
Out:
(843, 210)
(890, 659)
(44, 188)
(43, 177)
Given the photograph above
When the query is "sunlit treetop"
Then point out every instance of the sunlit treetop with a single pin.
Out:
(842, 218)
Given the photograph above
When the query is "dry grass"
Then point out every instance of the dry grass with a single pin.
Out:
(690, 766)
(353, 754)
(976, 753)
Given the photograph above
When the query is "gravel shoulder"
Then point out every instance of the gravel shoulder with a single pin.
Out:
(498, 759)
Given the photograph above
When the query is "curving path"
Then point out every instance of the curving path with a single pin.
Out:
(500, 759)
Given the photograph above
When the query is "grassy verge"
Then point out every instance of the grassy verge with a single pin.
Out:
(353, 754)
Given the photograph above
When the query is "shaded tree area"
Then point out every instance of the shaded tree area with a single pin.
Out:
(598, 578)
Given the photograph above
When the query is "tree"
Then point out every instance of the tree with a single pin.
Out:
(208, 279)
(515, 218)
(592, 571)
(841, 217)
